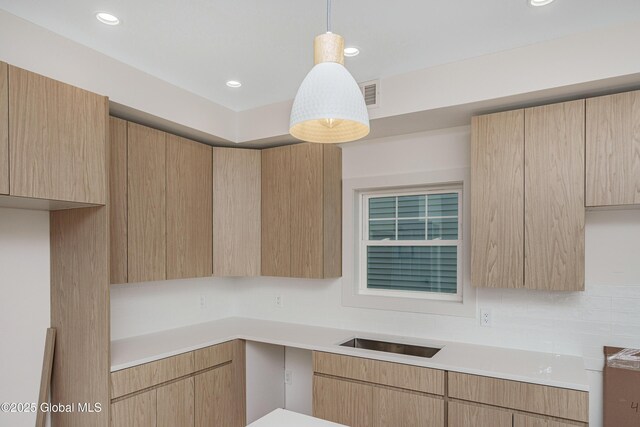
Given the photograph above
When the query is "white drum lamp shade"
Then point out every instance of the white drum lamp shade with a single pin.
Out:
(329, 106)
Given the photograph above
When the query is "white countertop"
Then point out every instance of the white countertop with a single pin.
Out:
(284, 418)
(518, 365)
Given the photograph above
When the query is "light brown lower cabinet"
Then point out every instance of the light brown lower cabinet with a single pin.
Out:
(201, 388)
(404, 408)
(343, 402)
(136, 411)
(215, 401)
(467, 415)
(521, 420)
(175, 404)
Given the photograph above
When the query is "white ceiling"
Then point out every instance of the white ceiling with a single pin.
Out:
(198, 45)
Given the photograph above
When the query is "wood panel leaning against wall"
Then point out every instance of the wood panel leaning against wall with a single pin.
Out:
(4, 128)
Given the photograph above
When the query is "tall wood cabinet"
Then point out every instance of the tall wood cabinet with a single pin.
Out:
(236, 212)
(527, 198)
(57, 139)
(160, 210)
(301, 211)
(613, 150)
(4, 128)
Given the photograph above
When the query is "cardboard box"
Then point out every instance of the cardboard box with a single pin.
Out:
(621, 387)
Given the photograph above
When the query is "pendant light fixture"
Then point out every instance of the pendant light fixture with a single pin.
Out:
(329, 106)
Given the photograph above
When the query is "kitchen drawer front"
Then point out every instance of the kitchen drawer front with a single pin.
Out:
(392, 408)
(150, 374)
(539, 399)
(520, 420)
(374, 371)
(463, 415)
(215, 355)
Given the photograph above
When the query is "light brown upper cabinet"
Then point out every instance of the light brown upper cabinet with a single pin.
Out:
(613, 150)
(118, 200)
(57, 140)
(276, 211)
(527, 198)
(146, 199)
(302, 211)
(497, 200)
(189, 225)
(4, 128)
(236, 212)
(554, 197)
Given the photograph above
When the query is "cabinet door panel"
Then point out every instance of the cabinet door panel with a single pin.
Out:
(189, 227)
(135, 411)
(215, 400)
(393, 408)
(118, 199)
(236, 212)
(497, 200)
(613, 150)
(342, 402)
(176, 404)
(57, 140)
(307, 248)
(554, 197)
(332, 206)
(276, 212)
(520, 420)
(462, 415)
(4, 128)
(147, 204)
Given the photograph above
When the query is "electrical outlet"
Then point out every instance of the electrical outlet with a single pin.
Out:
(485, 317)
(278, 301)
(288, 377)
(203, 302)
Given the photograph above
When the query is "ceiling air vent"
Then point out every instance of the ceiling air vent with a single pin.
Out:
(371, 92)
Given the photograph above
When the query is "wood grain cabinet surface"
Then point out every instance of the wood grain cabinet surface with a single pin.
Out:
(521, 420)
(236, 212)
(57, 140)
(118, 204)
(204, 387)
(497, 200)
(469, 415)
(137, 411)
(342, 401)
(613, 150)
(301, 211)
(554, 197)
(189, 227)
(147, 201)
(176, 404)
(392, 408)
(527, 198)
(4, 128)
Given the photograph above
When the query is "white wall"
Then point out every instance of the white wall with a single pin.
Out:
(24, 307)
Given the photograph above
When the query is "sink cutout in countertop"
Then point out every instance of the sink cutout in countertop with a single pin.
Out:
(391, 347)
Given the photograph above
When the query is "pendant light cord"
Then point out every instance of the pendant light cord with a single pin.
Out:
(328, 16)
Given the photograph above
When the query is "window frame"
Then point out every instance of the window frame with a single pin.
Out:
(364, 242)
(351, 207)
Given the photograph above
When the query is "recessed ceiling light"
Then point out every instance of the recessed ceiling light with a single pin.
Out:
(351, 51)
(107, 18)
(234, 83)
(540, 2)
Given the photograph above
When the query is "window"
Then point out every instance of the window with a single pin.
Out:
(411, 243)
